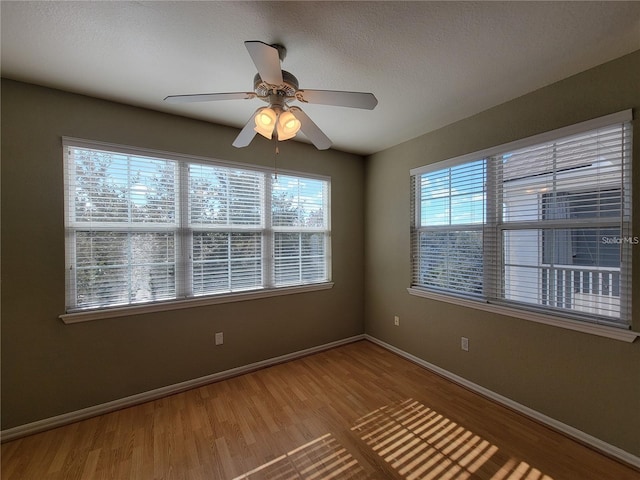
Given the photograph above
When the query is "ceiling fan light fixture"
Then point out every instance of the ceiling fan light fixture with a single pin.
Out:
(288, 126)
(265, 122)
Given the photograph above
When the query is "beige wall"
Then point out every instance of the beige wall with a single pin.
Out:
(588, 382)
(49, 368)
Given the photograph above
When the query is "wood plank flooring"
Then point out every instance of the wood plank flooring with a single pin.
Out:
(354, 412)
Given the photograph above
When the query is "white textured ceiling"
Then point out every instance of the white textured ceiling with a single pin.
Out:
(428, 63)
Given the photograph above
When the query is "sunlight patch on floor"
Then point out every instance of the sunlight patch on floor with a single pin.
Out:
(321, 459)
(421, 444)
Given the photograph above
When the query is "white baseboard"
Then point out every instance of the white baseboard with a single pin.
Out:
(568, 430)
(85, 413)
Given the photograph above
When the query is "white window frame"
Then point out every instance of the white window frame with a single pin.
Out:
(183, 238)
(492, 227)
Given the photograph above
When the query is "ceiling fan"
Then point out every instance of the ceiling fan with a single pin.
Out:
(279, 88)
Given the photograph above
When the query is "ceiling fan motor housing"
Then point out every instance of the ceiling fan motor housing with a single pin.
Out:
(287, 89)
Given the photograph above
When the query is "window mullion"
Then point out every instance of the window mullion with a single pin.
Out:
(626, 180)
(184, 235)
(229, 261)
(70, 240)
(72, 270)
(300, 257)
(268, 251)
(492, 244)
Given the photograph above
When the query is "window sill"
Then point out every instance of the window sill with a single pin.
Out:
(87, 316)
(590, 328)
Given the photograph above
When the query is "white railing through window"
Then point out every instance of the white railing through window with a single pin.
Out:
(592, 290)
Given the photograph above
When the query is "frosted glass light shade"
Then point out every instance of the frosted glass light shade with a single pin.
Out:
(288, 126)
(265, 122)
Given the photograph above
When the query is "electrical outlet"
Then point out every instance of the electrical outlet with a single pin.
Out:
(396, 321)
(219, 338)
(464, 343)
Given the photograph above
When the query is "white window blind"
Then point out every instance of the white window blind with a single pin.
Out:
(449, 236)
(543, 227)
(300, 229)
(226, 218)
(144, 227)
(122, 226)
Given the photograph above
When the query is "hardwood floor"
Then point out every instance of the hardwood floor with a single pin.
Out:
(353, 412)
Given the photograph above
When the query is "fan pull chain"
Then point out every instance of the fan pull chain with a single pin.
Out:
(275, 161)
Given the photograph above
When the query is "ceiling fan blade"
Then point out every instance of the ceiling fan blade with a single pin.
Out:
(311, 130)
(209, 97)
(368, 101)
(247, 133)
(267, 61)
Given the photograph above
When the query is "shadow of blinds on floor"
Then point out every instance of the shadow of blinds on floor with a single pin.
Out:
(419, 443)
(323, 458)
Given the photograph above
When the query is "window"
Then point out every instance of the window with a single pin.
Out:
(542, 224)
(149, 226)
(452, 216)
